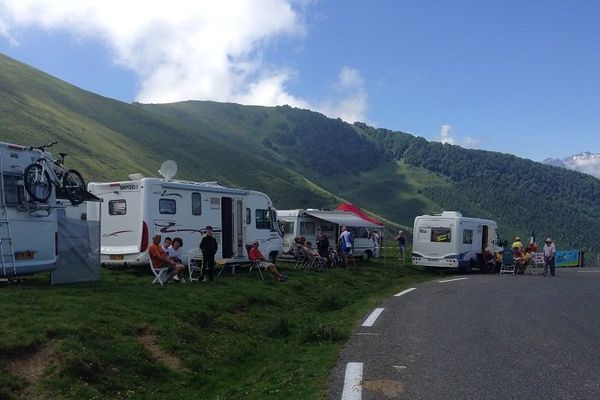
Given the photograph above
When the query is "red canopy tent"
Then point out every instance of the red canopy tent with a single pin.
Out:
(348, 207)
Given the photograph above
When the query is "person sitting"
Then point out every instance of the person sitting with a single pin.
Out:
(526, 258)
(517, 244)
(255, 255)
(167, 243)
(307, 251)
(174, 251)
(519, 260)
(159, 259)
(489, 259)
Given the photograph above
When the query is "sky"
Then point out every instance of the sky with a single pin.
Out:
(519, 77)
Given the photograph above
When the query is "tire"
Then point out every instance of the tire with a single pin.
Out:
(366, 256)
(37, 184)
(74, 186)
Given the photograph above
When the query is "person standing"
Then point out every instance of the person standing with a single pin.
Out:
(401, 245)
(549, 257)
(376, 242)
(322, 242)
(209, 247)
(346, 245)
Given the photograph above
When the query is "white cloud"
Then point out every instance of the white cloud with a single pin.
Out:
(350, 100)
(587, 165)
(470, 143)
(183, 50)
(445, 134)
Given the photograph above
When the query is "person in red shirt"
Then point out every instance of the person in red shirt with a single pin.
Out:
(159, 259)
(255, 255)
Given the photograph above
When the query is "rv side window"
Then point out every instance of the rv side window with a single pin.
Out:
(307, 228)
(441, 235)
(167, 206)
(196, 204)
(117, 207)
(13, 193)
(288, 227)
(248, 216)
(263, 219)
(468, 236)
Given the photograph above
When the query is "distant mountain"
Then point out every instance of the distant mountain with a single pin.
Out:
(301, 158)
(586, 162)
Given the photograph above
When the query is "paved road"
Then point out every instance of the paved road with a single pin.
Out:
(481, 337)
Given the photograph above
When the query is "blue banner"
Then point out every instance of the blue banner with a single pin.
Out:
(569, 258)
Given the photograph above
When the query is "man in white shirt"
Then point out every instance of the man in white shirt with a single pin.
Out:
(346, 244)
(549, 257)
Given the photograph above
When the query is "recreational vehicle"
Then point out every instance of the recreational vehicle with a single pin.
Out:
(298, 223)
(28, 229)
(449, 240)
(134, 210)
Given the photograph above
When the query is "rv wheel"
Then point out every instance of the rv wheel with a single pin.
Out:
(366, 256)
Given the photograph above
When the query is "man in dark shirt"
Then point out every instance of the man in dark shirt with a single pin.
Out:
(209, 247)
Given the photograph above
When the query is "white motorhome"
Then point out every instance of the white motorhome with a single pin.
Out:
(28, 229)
(449, 240)
(133, 211)
(299, 222)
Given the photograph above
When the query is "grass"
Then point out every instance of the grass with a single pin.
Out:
(236, 338)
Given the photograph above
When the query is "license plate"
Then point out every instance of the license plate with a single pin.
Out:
(432, 260)
(116, 257)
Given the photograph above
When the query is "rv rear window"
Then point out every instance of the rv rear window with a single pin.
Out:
(167, 206)
(117, 207)
(13, 193)
(288, 227)
(441, 235)
(196, 204)
(248, 216)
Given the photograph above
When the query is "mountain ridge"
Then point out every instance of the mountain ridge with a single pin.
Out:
(301, 158)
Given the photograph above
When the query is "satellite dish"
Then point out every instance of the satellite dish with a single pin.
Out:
(168, 169)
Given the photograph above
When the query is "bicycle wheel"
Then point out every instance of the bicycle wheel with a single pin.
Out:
(74, 186)
(37, 182)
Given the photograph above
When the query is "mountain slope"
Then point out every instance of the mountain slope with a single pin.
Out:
(301, 158)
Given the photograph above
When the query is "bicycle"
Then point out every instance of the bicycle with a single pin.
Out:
(45, 172)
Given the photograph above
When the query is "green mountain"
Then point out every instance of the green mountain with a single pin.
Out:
(299, 157)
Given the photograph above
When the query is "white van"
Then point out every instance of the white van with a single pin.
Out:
(28, 229)
(299, 222)
(133, 211)
(449, 240)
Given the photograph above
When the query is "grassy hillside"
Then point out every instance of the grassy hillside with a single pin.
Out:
(302, 159)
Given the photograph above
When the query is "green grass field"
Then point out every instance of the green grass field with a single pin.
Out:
(235, 338)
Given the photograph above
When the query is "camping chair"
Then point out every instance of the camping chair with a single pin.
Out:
(531, 267)
(300, 258)
(508, 263)
(254, 264)
(194, 264)
(161, 275)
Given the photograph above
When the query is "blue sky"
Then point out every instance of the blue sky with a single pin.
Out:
(509, 76)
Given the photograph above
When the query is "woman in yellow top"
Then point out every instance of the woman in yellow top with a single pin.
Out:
(517, 244)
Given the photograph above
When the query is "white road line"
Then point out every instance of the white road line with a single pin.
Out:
(373, 317)
(353, 381)
(581, 272)
(452, 280)
(367, 334)
(404, 292)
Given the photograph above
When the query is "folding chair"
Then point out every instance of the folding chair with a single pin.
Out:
(508, 263)
(194, 264)
(161, 275)
(531, 267)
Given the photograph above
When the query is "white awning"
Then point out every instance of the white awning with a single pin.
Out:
(342, 218)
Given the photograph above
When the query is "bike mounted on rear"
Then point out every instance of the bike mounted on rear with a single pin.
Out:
(44, 172)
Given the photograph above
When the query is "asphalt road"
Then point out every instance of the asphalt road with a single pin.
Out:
(481, 337)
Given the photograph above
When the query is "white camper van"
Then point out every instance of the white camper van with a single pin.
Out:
(297, 223)
(449, 240)
(133, 211)
(28, 229)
